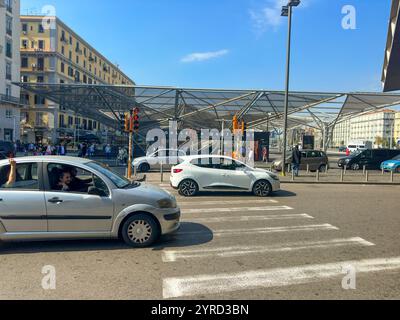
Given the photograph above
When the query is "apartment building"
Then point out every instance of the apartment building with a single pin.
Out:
(373, 126)
(9, 70)
(397, 128)
(51, 52)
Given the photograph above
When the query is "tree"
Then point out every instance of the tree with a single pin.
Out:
(379, 141)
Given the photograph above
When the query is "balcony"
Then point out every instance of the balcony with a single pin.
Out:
(9, 32)
(63, 39)
(9, 99)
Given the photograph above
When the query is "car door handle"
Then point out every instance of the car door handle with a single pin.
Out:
(55, 200)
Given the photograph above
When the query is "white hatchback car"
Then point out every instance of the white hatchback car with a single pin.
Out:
(207, 173)
(153, 161)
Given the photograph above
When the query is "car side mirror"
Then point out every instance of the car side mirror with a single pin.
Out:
(93, 191)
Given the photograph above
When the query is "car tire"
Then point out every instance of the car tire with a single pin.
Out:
(322, 168)
(144, 167)
(140, 231)
(355, 167)
(262, 188)
(188, 188)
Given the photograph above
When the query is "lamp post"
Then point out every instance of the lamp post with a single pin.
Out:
(287, 12)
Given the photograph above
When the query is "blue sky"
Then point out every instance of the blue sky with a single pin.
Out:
(233, 43)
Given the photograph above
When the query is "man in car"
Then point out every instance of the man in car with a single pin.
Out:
(64, 182)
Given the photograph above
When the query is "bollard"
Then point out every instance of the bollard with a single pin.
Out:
(308, 168)
(292, 175)
(383, 171)
(318, 175)
(326, 169)
(345, 170)
(391, 176)
(162, 172)
(135, 171)
(364, 169)
(341, 175)
(366, 176)
(289, 168)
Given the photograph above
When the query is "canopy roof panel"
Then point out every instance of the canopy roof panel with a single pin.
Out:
(205, 108)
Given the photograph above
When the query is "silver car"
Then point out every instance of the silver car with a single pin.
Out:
(61, 198)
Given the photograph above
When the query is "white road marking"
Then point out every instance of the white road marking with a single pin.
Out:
(249, 218)
(280, 277)
(216, 210)
(238, 232)
(228, 252)
(207, 203)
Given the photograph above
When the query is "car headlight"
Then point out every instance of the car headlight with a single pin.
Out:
(391, 165)
(166, 203)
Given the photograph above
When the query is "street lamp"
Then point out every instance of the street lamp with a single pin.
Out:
(287, 12)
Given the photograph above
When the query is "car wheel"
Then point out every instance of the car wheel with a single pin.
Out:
(188, 188)
(140, 231)
(144, 167)
(262, 188)
(322, 168)
(355, 167)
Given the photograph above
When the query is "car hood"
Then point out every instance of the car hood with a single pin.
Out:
(395, 162)
(144, 194)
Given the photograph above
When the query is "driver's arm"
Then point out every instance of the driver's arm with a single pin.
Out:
(13, 173)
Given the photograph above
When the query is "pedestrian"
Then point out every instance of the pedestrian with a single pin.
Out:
(296, 160)
(108, 151)
(265, 154)
(84, 150)
(62, 149)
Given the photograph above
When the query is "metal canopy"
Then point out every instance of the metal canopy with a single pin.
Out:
(204, 108)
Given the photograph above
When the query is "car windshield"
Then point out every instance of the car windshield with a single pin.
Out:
(397, 158)
(120, 181)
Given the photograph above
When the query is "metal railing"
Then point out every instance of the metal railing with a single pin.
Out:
(10, 99)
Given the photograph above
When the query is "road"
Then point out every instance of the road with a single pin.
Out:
(233, 246)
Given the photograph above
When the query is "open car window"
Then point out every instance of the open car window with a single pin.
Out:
(26, 177)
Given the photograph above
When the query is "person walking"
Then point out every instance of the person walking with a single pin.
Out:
(108, 151)
(296, 160)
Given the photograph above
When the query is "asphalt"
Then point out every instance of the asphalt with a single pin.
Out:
(293, 245)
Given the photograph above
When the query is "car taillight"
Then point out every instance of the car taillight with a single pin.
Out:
(178, 170)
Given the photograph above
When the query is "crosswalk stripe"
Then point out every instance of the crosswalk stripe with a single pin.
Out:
(207, 203)
(280, 277)
(237, 232)
(216, 210)
(249, 218)
(228, 252)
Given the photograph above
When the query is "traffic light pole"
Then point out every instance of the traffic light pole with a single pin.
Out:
(130, 158)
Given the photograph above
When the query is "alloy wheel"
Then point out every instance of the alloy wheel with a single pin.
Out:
(262, 189)
(188, 188)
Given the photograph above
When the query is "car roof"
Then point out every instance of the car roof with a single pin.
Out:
(50, 159)
(189, 158)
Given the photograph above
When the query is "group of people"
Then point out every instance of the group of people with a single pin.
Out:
(46, 149)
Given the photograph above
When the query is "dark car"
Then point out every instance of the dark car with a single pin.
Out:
(371, 159)
(6, 147)
(313, 159)
(2, 156)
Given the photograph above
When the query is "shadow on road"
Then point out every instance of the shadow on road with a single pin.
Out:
(284, 194)
(190, 234)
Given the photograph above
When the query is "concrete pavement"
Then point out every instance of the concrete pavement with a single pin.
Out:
(294, 245)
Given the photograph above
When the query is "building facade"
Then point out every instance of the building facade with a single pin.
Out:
(377, 127)
(397, 128)
(9, 70)
(53, 53)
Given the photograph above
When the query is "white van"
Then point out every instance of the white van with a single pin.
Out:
(359, 145)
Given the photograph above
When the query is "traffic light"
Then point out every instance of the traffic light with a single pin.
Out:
(235, 123)
(136, 123)
(127, 122)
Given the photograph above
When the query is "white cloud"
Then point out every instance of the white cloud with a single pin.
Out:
(203, 56)
(270, 15)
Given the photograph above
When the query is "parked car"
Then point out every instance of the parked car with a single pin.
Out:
(342, 149)
(314, 159)
(216, 173)
(359, 146)
(392, 165)
(98, 204)
(154, 160)
(371, 159)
